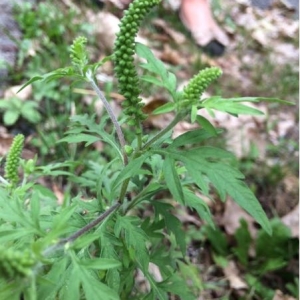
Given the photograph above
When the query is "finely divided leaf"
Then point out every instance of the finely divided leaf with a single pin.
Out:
(53, 75)
(259, 99)
(87, 130)
(175, 226)
(199, 205)
(213, 163)
(172, 179)
(229, 106)
(152, 79)
(206, 125)
(168, 107)
(177, 286)
(100, 263)
(227, 181)
(153, 64)
(194, 112)
(135, 239)
(192, 137)
(156, 291)
(79, 138)
(55, 278)
(133, 168)
(168, 79)
(93, 288)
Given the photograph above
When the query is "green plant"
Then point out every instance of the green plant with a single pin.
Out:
(272, 255)
(93, 245)
(14, 108)
(48, 29)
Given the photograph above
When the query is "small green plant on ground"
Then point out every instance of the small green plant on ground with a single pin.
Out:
(14, 108)
(273, 255)
(93, 245)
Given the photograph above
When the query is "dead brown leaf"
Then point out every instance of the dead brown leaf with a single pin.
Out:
(171, 56)
(58, 193)
(13, 92)
(232, 274)
(292, 221)
(177, 37)
(106, 25)
(185, 217)
(280, 296)
(231, 218)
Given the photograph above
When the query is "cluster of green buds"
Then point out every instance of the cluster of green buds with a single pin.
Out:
(78, 52)
(124, 50)
(13, 159)
(15, 263)
(198, 84)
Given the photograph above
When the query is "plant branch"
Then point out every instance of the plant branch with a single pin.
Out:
(110, 113)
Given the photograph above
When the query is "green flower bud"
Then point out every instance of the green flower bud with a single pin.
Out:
(198, 84)
(128, 149)
(124, 49)
(13, 159)
(145, 138)
(15, 263)
(78, 52)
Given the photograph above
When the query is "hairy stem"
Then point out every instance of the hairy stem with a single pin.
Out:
(111, 115)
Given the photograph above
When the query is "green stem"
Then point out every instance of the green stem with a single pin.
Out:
(172, 124)
(139, 141)
(124, 189)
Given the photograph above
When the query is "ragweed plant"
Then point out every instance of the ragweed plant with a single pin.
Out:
(92, 248)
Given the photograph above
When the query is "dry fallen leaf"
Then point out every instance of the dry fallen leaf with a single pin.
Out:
(13, 92)
(178, 37)
(106, 26)
(171, 56)
(231, 218)
(292, 221)
(58, 193)
(185, 217)
(155, 272)
(280, 296)
(232, 274)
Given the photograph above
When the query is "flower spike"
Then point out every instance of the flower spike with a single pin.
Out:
(124, 50)
(198, 84)
(15, 263)
(13, 159)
